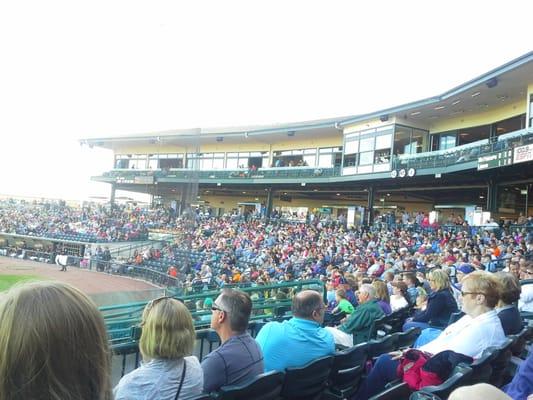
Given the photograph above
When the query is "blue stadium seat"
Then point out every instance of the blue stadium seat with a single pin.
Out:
(266, 386)
(307, 382)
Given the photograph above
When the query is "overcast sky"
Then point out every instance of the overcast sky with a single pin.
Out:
(72, 69)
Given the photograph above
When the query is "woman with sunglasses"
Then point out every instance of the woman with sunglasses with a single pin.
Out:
(478, 330)
(168, 371)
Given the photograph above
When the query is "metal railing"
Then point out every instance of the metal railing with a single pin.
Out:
(463, 154)
(123, 320)
(435, 159)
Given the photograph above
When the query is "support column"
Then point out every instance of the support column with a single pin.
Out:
(113, 192)
(269, 203)
(492, 196)
(183, 200)
(370, 206)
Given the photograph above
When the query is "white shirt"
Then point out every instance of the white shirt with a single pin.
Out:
(159, 379)
(469, 336)
(526, 298)
(397, 302)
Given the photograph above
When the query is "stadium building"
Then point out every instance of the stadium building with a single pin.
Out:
(467, 151)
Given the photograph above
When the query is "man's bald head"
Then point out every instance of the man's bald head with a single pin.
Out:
(305, 303)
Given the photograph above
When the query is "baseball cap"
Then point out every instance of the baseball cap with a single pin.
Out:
(465, 269)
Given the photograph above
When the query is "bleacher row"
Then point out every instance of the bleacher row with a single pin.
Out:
(339, 376)
(83, 237)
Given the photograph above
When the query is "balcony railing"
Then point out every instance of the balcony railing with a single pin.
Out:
(463, 154)
(436, 159)
(132, 175)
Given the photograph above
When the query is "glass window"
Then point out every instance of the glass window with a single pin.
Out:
(218, 163)
(402, 138)
(350, 160)
(352, 135)
(243, 162)
(510, 125)
(366, 158)
(447, 141)
(232, 163)
(153, 163)
(383, 142)
(531, 110)
(419, 140)
(122, 164)
(352, 147)
(382, 156)
(206, 163)
(325, 160)
(309, 160)
(366, 144)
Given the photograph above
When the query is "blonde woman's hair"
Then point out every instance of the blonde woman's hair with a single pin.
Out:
(53, 344)
(441, 280)
(167, 331)
(485, 283)
(382, 291)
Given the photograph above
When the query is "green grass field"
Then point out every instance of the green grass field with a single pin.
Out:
(6, 281)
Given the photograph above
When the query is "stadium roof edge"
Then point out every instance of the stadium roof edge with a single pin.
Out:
(337, 122)
(517, 62)
(227, 131)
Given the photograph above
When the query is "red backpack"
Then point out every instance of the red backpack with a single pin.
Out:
(411, 372)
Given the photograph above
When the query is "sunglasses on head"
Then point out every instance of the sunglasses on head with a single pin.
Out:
(215, 307)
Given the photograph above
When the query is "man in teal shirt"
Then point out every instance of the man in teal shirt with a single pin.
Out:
(301, 339)
(356, 328)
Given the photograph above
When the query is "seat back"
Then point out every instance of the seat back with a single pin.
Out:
(520, 341)
(456, 316)
(459, 377)
(482, 367)
(255, 326)
(407, 339)
(500, 363)
(347, 370)
(307, 382)
(421, 395)
(397, 318)
(202, 396)
(381, 346)
(382, 325)
(266, 386)
(331, 319)
(398, 391)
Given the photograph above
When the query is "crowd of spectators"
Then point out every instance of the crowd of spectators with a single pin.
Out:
(89, 223)
(224, 251)
(367, 273)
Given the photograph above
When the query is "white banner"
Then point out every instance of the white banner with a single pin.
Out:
(523, 153)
